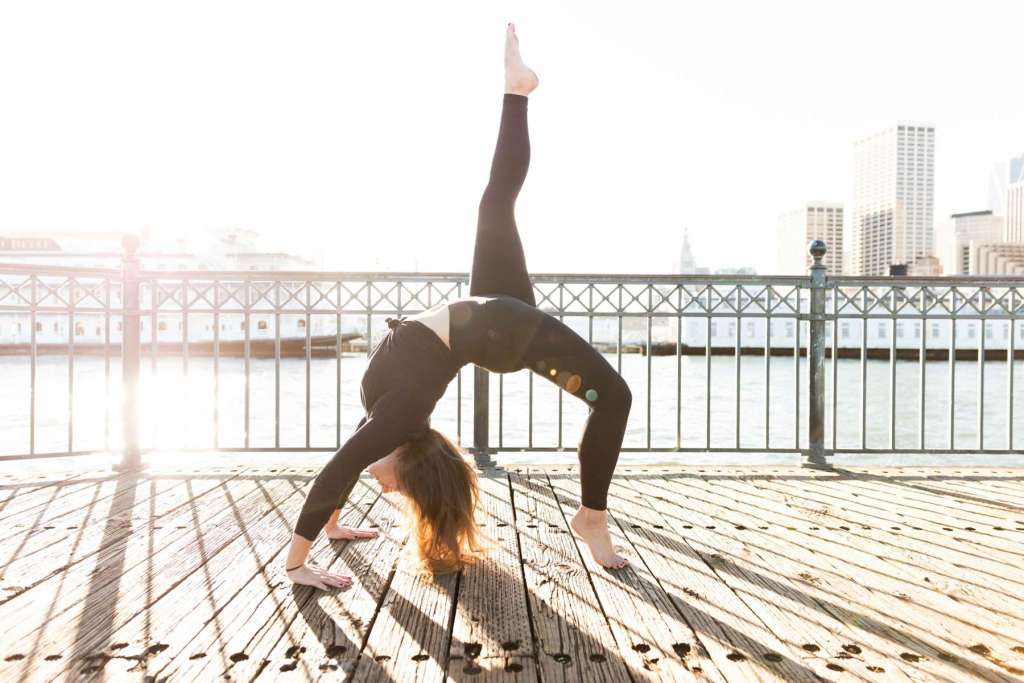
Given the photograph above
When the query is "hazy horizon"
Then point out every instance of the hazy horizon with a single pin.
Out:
(362, 134)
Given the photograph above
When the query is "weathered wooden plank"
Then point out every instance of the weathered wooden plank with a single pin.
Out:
(839, 589)
(900, 598)
(176, 615)
(69, 613)
(19, 482)
(36, 501)
(410, 635)
(573, 639)
(69, 512)
(223, 647)
(944, 553)
(995, 490)
(63, 557)
(925, 507)
(72, 512)
(326, 632)
(875, 513)
(780, 603)
(40, 555)
(491, 638)
(648, 629)
(889, 510)
(303, 633)
(18, 485)
(169, 626)
(95, 495)
(951, 598)
(741, 646)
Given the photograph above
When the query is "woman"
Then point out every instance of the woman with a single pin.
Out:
(497, 327)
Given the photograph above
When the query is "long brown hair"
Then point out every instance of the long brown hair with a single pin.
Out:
(440, 487)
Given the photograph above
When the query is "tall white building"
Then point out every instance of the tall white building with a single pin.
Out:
(1015, 203)
(955, 237)
(813, 221)
(893, 198)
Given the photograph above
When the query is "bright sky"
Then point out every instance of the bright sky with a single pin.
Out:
(362, 132)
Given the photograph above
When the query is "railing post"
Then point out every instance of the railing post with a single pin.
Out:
(131, 352)
(481, 417)
(815, 455)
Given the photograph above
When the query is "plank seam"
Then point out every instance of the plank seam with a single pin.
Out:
(590, 578)
(534, 650)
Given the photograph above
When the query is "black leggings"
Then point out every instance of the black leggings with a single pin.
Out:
(499, 266)
(510, 333)
(410, 367)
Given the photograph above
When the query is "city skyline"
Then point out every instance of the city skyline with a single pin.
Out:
(650, 122)
(989, 229)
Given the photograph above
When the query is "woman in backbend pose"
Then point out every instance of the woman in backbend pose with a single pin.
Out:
(497, 327)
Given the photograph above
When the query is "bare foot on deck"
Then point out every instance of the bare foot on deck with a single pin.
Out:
(592, 527)
(341, 533)
(311, 575)
(519, 78)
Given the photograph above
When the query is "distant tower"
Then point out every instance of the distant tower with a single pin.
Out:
(1015, 203)
(687, 264)
(893, 198)
(997, 187)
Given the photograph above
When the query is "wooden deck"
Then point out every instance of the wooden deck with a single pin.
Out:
(738, 574)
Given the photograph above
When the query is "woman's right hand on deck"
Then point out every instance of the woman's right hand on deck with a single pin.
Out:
(308, 575)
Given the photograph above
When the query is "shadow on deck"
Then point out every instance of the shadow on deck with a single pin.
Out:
(737, 574)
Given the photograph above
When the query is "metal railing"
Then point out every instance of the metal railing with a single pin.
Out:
(136, 318)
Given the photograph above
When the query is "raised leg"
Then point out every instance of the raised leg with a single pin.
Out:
(499, 265)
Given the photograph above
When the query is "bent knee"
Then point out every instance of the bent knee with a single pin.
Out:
(496, 203)
(626, 396)
(614, 396)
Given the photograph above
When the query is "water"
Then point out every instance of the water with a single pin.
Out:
(179, 414)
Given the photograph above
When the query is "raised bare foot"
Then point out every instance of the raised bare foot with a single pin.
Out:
(592, 527)
(347, 532)
(519, 78)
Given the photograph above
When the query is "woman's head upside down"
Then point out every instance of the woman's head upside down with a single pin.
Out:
(440, 487)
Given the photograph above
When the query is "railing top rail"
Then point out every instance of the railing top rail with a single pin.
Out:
(439, 276)
(575, 278)
(581, 278)
(925, 280)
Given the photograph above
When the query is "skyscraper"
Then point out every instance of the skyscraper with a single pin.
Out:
(1015, 203)
(957, 234)
(997, 185)
(893, 198)
(813, 221)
